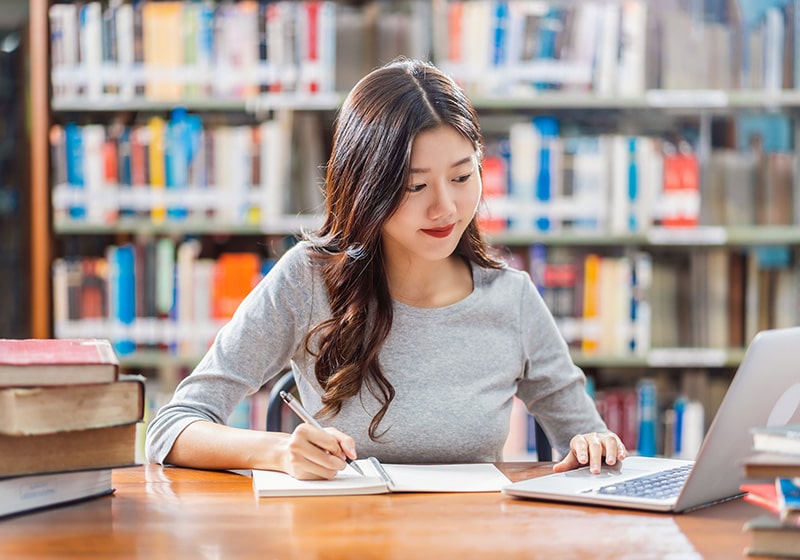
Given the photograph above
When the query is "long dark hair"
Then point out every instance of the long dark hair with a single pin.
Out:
(366, 175)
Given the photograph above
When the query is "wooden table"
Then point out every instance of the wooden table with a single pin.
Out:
(172, 513)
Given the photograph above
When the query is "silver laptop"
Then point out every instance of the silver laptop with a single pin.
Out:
(760, 394)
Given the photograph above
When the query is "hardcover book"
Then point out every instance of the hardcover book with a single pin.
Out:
(113, 446)
(777, 439)
(28, 493)
(36, 362)
(771, 465)
(761, 494)
(60, 408)
(770, 537)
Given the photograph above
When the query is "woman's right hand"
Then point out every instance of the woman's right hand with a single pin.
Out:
(312, 453)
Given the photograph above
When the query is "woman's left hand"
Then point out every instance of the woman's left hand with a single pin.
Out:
(592, 448)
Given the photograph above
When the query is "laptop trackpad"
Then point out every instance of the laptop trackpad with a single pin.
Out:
(582, 480)
(615, 472)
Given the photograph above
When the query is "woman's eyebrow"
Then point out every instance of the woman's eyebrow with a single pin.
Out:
(462, 161)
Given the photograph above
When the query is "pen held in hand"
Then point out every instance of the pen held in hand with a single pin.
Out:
(307, 418)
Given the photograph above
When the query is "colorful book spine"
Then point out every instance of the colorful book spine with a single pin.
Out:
(633, 186)
(499, 48)
(73, 142)
(124, 298)
(494, 189)
(591, 304)
(177, 157)
(548, 130)
(648, 417)
(156, 168)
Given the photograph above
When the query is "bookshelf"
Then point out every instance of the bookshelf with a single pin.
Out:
(669, 107)
(14, 204)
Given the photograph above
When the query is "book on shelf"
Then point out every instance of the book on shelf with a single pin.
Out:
(236, 50)
(110, 446)
(58, 408)
(770, 537)
(232, 50)
(23, 494)
(35, 362)
(771, 465)
(383, 478)
(777, 439)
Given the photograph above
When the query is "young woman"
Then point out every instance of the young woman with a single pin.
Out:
(411, 339)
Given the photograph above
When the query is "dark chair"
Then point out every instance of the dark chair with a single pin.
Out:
(544, 450)
(287, 383)
(275, 403)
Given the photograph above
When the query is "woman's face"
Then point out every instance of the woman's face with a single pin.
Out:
(442, 196)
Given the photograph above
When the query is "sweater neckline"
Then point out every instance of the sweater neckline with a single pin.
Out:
(456, 306)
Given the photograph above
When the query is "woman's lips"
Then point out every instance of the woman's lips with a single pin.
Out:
(440, 232)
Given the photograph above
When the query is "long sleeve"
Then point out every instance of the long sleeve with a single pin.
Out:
(256, 345)
(553, 387)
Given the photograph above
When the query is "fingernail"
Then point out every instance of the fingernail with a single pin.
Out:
(582, 458)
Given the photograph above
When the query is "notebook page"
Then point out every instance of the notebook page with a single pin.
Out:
(472, 477)
(346, 482)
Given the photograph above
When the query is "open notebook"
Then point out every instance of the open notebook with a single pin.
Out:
(764, 392)
(385, 478)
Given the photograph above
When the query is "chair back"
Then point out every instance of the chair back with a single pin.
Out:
(275, 404)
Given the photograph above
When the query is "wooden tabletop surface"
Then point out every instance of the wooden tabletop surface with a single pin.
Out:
(159, 512)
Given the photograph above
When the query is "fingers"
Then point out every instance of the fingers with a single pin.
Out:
(614, 449)
(568, 463)
(591, 449)
(315, 453)
(346, 443)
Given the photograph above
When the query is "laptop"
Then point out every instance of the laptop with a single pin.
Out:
(764, 391)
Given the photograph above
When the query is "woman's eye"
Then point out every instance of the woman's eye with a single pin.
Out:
(463, 178)
(415, 188)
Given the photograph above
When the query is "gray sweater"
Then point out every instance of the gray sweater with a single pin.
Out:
(455, 369)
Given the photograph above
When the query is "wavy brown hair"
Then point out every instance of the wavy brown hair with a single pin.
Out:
(365, 183)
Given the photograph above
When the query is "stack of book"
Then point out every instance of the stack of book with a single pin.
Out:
(773, 473)
(67, 417)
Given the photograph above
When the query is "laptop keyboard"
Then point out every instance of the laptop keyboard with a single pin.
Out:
(660, 485)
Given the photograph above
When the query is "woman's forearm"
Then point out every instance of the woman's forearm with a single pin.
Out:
(206, 445)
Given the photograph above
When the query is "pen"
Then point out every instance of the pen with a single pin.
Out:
(298, 408)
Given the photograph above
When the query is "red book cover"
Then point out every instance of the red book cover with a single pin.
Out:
(690, 183)
(51, 361)
(681, 201)
(312, 53)
(493, 188)
(455, 14)
(762, 494)
(138, 157)
(93, 289)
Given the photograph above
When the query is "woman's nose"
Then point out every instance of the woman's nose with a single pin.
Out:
(442, 202)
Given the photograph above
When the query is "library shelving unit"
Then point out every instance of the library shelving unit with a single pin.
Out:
(607, 146)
